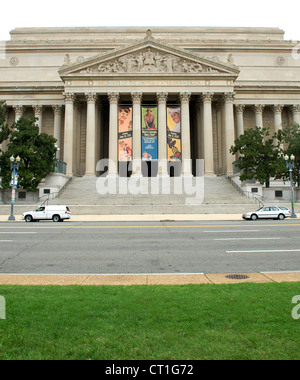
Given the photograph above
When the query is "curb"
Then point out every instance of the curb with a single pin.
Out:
(144, 218)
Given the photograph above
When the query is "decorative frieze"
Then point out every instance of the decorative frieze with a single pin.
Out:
(150, 61)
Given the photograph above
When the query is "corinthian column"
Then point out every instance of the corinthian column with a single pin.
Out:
(69, 131)
(258, 109)
(185, 134)
(18, 112)
(277, 109)
(162, 133)
(208, 133)
(229, 128)
(296, 113)
(57, 127)
(38, 113)
(239, 109)
(91, 135)
(113, 133)
(137, 134)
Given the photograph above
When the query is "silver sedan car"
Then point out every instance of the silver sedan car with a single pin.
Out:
(268, 212)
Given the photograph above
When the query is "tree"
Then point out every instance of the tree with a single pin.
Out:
(4, 130)
(290, 135)
(259, 155)
(37, 153)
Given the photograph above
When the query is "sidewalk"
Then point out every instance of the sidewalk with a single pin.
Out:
(147, 279)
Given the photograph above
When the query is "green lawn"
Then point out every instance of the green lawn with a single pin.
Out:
(243, 321)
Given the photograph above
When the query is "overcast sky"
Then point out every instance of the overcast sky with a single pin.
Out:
(63, 13)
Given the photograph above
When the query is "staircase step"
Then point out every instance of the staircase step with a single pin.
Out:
(174, 195)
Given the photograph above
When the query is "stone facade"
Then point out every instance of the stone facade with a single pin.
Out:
(224, 79)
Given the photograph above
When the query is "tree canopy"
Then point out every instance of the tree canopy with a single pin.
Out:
(4, 130)
(259, 155)
(36, 151)
(290, 135)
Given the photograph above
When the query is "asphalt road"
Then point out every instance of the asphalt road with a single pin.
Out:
(152, 247)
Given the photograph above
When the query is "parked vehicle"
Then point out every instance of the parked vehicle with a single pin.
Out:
(55, 213)
(268, 212)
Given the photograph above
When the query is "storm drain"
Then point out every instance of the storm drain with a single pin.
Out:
(237, 276)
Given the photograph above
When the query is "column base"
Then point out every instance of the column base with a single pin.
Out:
(137, 175)
(186, 174)
(112, 175)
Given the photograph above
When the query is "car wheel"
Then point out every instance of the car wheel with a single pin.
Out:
(28, 219)
(254, 217)
(281, 217)
(56, 218)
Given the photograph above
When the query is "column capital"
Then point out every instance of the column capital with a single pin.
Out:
(136, 97)
(57, 109)
(69, 97)
(296, 108)
(91, 97)
(258, 108)
(228, 97)
(18, 109)
(277, 108)
(162, 97)
(113, 97)
(239, 108)
(185, 97)
(38, 109)
(207, 97)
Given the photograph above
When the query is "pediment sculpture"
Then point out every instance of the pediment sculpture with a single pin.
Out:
(150, 61)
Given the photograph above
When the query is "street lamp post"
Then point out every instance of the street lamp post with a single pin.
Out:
(290, 165)
(14, 167)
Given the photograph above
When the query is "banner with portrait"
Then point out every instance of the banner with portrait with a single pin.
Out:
(174, 133)
(149, 134)
(125, 133)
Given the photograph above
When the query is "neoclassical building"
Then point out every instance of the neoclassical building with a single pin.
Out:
(142, 95)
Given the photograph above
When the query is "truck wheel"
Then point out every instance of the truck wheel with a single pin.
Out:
(28, 219)
(56, 218)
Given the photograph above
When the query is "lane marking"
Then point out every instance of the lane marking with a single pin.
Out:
(266, 251)
(228, 239)
(5, 241)
(17, 232)
(230, 231)
(154, 227)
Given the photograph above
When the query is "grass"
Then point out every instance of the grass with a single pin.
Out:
(243, 321)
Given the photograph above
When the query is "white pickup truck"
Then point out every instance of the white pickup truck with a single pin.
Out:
(55, 213)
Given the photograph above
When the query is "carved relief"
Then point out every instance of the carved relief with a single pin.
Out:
(150, 62)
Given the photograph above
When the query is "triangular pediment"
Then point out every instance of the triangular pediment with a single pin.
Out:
(148, 57)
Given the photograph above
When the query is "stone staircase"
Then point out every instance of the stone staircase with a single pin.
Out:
(112, 196)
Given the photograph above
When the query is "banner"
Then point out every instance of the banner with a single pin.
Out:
(125, 133)
(174, 133)
(149, 134)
